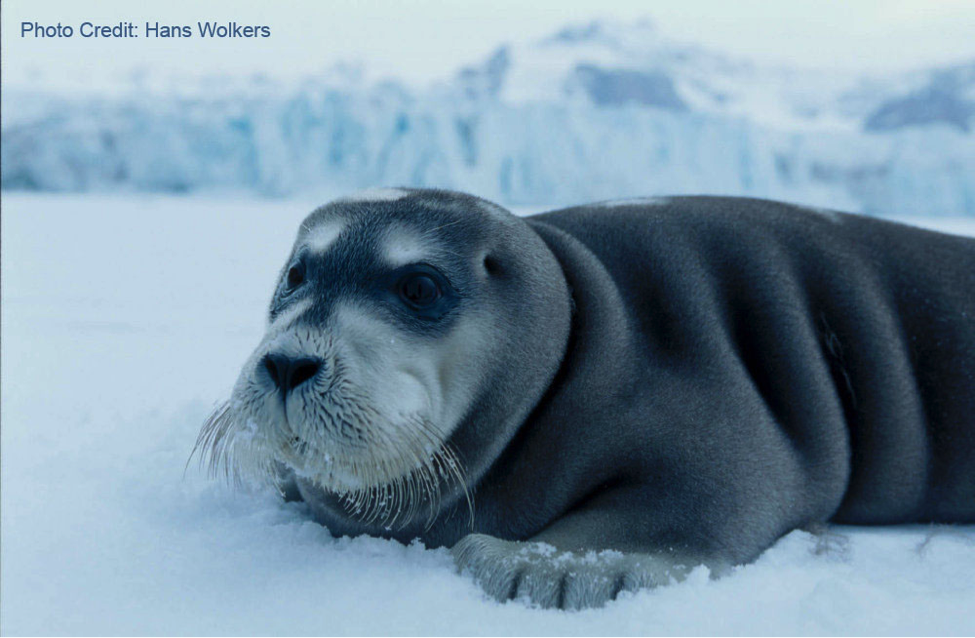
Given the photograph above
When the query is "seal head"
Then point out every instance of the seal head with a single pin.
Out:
(409, 336)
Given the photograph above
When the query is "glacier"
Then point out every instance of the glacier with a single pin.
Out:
(593, 113)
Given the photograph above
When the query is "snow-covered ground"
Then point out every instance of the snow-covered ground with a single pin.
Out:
(125, 319)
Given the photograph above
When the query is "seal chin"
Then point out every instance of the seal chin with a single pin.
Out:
(385, 468)
(391, 487)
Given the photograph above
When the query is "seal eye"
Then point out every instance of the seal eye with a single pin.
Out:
(296, 275)
(419, 290)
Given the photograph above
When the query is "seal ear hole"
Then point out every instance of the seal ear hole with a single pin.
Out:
(491, 265)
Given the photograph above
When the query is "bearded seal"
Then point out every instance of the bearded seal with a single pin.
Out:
(601, 398)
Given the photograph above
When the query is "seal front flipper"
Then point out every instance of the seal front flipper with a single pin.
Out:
(569, 567)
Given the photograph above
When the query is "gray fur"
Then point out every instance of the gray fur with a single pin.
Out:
(680, 382)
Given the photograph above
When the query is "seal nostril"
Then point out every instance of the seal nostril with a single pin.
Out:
(288, 373)
(271, 364)
(302, 370)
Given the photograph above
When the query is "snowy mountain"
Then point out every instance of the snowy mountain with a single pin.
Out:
(594, 111)
(946, 96)
(607, 64)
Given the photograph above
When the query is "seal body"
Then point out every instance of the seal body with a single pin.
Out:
(715, 372)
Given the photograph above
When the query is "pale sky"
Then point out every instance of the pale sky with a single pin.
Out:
(422, 40)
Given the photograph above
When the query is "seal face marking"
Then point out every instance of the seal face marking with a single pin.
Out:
(376, 195)
(323, 235)
(402, 246)
(634, 201)
(284, 319)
